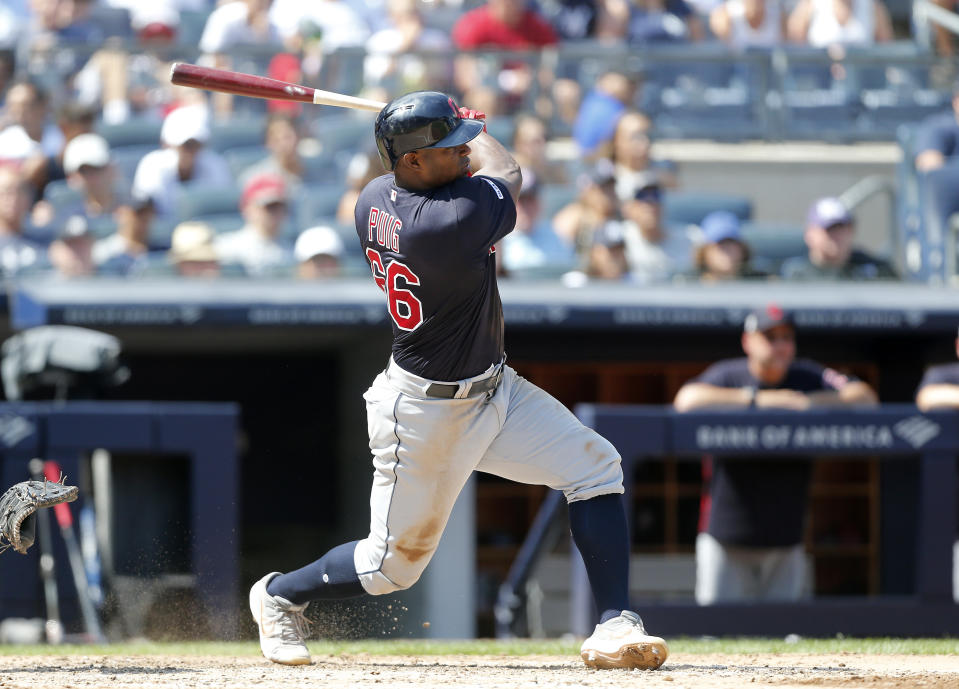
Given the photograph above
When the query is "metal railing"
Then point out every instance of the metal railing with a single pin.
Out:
(925, 13)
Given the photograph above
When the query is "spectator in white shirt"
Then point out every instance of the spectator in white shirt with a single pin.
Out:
(243, 22)
(822, 23)
(335, 23)
(256, 246)
(745, 24)
(183, 162)
(388, 64)
(26, 112)
(655, 251)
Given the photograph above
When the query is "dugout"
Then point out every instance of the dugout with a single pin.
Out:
(172, 507)
(296, 359)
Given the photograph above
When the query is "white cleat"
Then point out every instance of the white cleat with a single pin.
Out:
(623, 642)
(283, 626)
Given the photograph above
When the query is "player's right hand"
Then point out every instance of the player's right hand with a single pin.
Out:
(467, 114)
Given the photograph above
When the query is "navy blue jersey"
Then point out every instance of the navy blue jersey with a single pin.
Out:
(432, 253)
(941, 374)
(757, 502)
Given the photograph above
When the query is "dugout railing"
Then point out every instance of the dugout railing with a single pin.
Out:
(644, 433)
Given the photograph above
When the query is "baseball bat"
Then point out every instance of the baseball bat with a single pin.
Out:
(242, 84)
(51, 471)
(53, 626)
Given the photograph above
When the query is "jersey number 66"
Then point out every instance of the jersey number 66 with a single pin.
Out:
(405, 308)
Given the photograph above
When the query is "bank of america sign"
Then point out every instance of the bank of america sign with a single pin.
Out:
(915, 430)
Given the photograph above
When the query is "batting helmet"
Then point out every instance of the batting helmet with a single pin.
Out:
(422, 119)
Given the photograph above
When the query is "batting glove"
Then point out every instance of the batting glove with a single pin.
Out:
(467, 114)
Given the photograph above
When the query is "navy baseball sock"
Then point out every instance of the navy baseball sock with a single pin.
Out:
(598, 526)
(332, 576)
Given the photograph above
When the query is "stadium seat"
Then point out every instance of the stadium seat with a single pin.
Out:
(59, 194)
(126, 159)
(317, 204)
(690, 207)
(224, 222)
(200, 203)
(191, 27)
(134, 132)
(554, 196)
(343, 132)
(239, 132)
(772, 243)
(112, 21)
(241, 158)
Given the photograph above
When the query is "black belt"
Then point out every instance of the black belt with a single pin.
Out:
(447, 391)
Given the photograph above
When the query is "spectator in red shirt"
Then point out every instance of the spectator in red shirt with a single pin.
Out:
(505, 24)
(508, 24)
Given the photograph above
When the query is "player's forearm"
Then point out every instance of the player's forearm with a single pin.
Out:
(490, 158)
(701, 395)
(855, 394)
(938, 396)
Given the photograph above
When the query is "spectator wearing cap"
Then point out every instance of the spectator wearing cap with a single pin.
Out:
(753, 509)
(533, 247)
(594, 207)
(257, 246)
(89, 169)
(319, 253)
(829, 236)
(191, 251)
(722, 253)
(16, 253)
(128, 250)
(71, 252)
(182, 162)
(655, 251)
(607, 255)
(73, 119)
(938, 390)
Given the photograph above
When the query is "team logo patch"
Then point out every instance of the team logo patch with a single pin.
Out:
(392, 194)
(490, 182)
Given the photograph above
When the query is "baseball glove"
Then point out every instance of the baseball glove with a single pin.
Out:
(17, 522)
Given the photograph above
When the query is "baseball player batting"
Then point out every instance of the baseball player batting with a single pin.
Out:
(447, 404)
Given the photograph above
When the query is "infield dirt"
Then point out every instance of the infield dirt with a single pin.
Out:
(481, 672)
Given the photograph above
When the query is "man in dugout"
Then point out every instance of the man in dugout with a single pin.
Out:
(753, 514)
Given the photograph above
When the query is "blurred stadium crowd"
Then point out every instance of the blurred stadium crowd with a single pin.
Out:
(108, 169)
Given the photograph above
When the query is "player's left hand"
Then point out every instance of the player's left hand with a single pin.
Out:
(467, 114)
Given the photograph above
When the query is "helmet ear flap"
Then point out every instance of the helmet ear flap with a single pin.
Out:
(386, 154)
